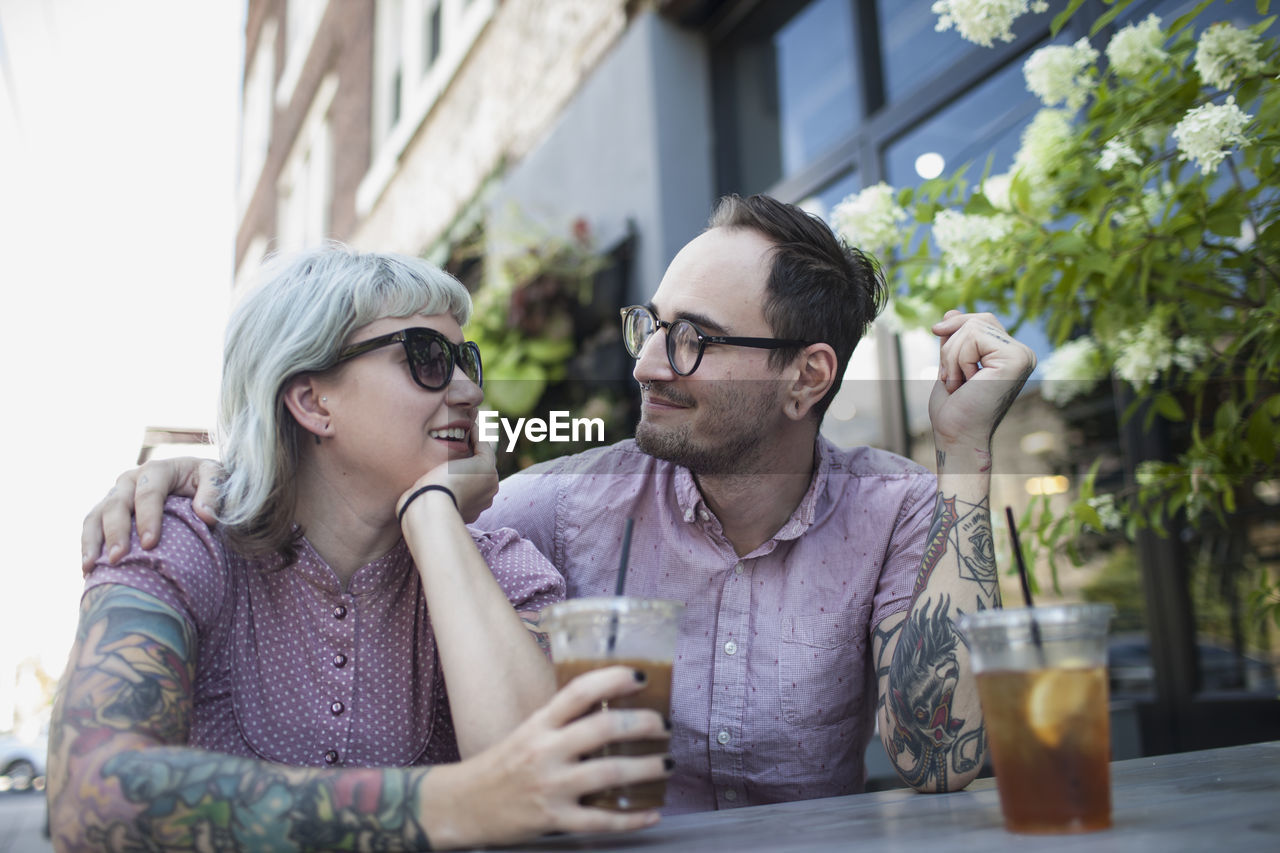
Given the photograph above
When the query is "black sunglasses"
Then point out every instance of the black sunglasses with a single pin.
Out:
(685, 341)
(431, 355)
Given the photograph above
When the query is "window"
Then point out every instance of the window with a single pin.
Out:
(301, 20)
(913, 50)
(418, 47)
(305, 192)
(788, 89)
(255, 121)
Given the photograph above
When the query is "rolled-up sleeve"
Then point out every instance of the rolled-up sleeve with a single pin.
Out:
(524, 574)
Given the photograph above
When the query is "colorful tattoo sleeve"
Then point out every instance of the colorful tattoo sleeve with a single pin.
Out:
(122, 779)
(918, 665)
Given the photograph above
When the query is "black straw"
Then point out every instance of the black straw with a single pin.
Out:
(626, 553)
(1025, 578)
(1017, 555)
(622, 582)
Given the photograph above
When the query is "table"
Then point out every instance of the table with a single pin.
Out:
(1216, 800)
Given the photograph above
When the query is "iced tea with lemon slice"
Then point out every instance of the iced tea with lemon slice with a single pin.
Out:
(1042, 682)
(1050, 739)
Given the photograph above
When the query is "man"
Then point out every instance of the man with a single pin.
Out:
(814, 579)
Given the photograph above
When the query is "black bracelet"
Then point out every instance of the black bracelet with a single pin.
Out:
(431, 488)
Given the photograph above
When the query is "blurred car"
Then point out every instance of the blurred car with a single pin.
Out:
(1131, 671)
(22, 761)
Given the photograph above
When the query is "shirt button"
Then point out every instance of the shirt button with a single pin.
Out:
(737, 570)
(331, 757)
(340, 612)
(723, 737)
(704, 515)
(731, 795)
(688, 515)
(731, 648)
(337, 708)
(339, 660)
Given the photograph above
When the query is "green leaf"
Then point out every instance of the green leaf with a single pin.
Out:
(1060, 20)
(1182, 21)
(1225, 223)
(1107, 17)
(1262, 6)
(1166, 405)
(1260, 435)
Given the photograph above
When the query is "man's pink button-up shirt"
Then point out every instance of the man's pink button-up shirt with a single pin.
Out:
(774, 687)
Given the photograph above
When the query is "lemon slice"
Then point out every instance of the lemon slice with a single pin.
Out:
(1055, 698)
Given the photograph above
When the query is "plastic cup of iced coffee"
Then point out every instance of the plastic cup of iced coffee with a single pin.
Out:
(591, 633)
(1042, 682)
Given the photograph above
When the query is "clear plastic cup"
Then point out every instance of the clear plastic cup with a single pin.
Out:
(1042, 682)
(591, 633)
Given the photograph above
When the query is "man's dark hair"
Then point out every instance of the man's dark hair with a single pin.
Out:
(820, 289)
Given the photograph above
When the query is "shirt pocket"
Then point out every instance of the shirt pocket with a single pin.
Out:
(821, 658)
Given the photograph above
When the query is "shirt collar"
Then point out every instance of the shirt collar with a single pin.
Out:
(371, 577)
(693, 507)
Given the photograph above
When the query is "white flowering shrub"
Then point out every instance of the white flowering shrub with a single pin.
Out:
(983, 21)
(1140, 223)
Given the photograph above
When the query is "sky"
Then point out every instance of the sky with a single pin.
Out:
(118, 129)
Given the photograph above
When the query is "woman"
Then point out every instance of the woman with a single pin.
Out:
(318, 626)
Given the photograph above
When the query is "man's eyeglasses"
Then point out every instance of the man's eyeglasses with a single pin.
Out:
(685, 341)
(431, 355)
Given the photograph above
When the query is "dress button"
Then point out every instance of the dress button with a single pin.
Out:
(731, 795)
(340, 612)
(731, 648)
(339, 660)
(737, 570)
(331, 757)
(723, 737)
(337, 708)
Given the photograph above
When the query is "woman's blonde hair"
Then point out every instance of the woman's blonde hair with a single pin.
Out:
(296, 321)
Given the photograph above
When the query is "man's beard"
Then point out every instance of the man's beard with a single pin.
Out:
(733, 417)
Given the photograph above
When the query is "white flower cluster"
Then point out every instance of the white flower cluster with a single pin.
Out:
(1047, 143)
(869, 219)
(983, 21)
(1189, 352)
(1138, 48)
(966, 241)
(1226, 53)
(1207, 133)
(1108, 512)
(1071, 370)
(1148, 208)
(1115, 152)
(998, 189)
(1058, 74)
(1142, 354)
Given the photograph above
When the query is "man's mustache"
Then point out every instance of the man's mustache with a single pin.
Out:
(664, 391)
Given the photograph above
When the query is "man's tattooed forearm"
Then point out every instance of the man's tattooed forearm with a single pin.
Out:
(922, 681)
(929, 743)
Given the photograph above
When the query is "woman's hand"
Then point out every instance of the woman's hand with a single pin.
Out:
(473, 480)
(531, 782)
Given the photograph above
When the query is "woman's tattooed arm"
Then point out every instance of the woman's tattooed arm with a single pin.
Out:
(121, 777)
